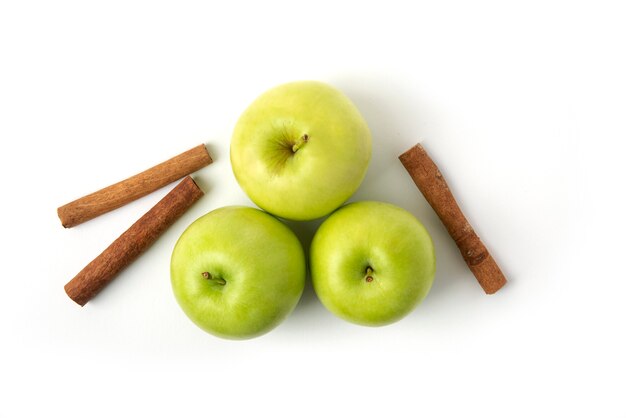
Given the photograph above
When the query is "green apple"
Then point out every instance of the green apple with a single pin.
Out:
(300, 150)
(237, 272)
(372, 263)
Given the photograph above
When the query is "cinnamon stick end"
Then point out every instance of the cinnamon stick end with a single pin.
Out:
(409, 157)
(489, 275)
(191, 188)
(75, 294)
(65, 220)
(206, 156)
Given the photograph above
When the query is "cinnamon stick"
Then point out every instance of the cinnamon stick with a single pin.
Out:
(132, 243)
(433, 186)
(119, 194)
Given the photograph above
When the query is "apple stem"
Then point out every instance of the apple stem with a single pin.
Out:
(217, 280)
(299, 143)
(368, 272)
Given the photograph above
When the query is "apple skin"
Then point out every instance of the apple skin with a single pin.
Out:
(300, 150)
(257, 269)
(385, 238)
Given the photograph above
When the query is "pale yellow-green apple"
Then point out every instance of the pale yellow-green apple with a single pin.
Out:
(372, 263)
(237, 272)
(300, 150)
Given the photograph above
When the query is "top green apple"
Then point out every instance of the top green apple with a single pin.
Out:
(300, 150)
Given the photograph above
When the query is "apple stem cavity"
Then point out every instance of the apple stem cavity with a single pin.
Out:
(216, 280)
(300, 143)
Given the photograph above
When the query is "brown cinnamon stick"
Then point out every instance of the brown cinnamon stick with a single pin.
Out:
(119, 194)
(132, 243)
(433, 186)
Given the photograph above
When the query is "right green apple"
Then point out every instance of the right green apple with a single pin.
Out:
(372, 263)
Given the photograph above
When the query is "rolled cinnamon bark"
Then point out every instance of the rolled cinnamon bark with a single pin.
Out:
(433, 186)
(132, 243)
(119, 194)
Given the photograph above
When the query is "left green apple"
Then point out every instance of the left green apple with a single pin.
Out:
(237, 272)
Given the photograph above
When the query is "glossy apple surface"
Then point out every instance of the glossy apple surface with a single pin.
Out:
(372, 263)
(237, 272)
(300, 150)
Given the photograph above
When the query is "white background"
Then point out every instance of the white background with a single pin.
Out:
(522, 104)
